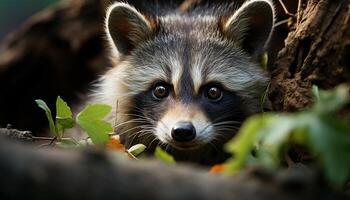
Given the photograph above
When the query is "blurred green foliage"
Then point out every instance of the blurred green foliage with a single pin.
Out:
(14, 12)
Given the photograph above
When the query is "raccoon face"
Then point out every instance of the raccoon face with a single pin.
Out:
(186, 81)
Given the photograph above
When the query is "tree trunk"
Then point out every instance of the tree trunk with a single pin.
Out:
(314, 53)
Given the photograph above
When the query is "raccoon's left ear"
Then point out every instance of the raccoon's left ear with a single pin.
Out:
(251, 26)
(126, 27)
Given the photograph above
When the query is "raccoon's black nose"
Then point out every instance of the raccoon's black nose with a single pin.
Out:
(183, 132)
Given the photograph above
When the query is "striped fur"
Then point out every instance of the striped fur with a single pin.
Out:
(189, 52)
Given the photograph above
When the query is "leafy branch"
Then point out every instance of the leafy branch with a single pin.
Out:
(318, 128)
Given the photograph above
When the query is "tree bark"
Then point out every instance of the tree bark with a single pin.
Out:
(313, 53)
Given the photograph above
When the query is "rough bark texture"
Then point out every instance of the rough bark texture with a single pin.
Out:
(31, 173)
(312, 54)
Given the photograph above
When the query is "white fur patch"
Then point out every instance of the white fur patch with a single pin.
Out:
(176, 72)
(189, 113)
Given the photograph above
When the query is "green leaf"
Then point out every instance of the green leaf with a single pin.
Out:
(316, 92)
(137, 149)
(329, 139)
(91, 120)
(164, 156)
(274, 137)
(242, 145)
(48, 113)
(64, 118)
(317, 128)
(329, 102)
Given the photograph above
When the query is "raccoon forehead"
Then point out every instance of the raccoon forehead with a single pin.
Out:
(176, 20)
(208, 61)
(199, 26)
(229, 66)
(140, 75)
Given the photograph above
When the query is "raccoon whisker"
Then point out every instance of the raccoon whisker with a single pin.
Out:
(211, 143)
(145, 128)
(129, 121)
(155, 139)
(226, 131)
(163, 124)
(147, 118)
(141, 116)
(219, 119)
(135, 135)
(227, 122)
(165, 146)
(219, 124)
(146, 132)
(227, 125)
(219, 128)
(136, 127)
(144, 115)
(222, 138)
(149, 136)
(217, 144)
(131, 114)
(168, 148)
(205, 128)
(162, 144)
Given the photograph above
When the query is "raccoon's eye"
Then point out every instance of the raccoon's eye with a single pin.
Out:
(214, 93)
(160, 91)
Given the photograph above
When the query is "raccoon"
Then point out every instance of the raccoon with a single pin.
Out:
(185, 81)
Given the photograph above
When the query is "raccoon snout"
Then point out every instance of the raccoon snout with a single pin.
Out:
(183, 131)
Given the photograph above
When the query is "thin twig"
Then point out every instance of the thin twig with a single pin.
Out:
(286, 9)
(299, 11)
(281, 23)
(288, 160)
(42, 138)
(53, 140)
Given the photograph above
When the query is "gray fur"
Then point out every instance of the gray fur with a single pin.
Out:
(185, 50)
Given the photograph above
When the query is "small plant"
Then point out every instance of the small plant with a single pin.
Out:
(64, 119)
(325, 135)
(91, 120)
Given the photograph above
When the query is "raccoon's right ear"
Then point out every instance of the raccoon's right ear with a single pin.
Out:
(126, 27)
(251, 26)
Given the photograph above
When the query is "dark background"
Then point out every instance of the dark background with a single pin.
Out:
(15, 12)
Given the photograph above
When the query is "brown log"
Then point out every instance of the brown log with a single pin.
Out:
(31, 173)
